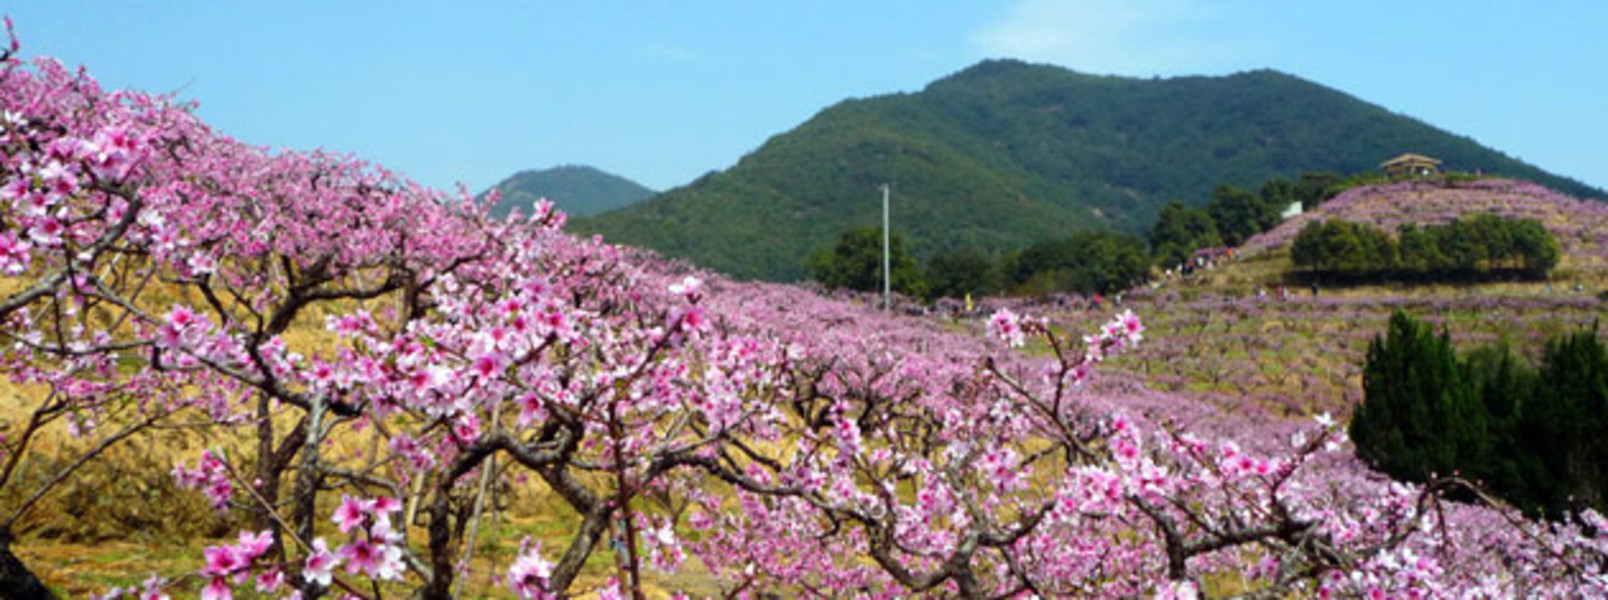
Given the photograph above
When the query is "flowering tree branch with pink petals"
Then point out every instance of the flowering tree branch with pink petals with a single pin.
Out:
(154, 269)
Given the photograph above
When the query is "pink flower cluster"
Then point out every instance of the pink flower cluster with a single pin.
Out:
(374, 550)
(528, 577)
(211, 476)
(375, 547)
(821, 448)
(1009, 328)
(14, 256)
(230, 565)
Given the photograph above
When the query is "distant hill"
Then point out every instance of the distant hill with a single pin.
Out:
(576, 189)
(1304, 355)
(1006, 153)
(1581, 226)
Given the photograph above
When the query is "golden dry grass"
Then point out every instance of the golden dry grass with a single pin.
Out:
(77, 548)
(120, 519)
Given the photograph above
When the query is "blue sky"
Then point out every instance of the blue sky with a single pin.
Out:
(662, 92)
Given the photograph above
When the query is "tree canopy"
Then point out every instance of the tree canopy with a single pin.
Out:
(1483, 244)
(1088, 262)
(1534, 435)
(855, 262)
(958, 273)
(1179, 231)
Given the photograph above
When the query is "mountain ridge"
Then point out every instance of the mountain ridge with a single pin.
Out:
(579, 190)
(1005, 153)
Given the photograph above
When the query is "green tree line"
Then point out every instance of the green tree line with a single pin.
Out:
(1086, 262)
(1235, 214)
(1093, 262)
(1534, 435)
(1480, 245)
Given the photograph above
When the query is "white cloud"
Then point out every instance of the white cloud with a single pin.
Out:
(1125, 37)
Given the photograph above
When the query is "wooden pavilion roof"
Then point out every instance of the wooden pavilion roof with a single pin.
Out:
(1409, 159)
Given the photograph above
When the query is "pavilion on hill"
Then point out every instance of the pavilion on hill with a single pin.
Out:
(1411, 165)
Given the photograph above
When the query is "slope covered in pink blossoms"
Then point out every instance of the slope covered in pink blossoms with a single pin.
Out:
(759, 439)
(1581, 226)
(1300, 352)
(1251, 437)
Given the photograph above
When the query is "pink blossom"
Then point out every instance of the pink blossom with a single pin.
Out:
(349, 325)
(466, 428)
(378, 561)
(385, 504)
(322, 372)
(530, 409)
(541, 210)
(1006, 326)
(178, 327)
(1131, 327)
(320, 563)
(488, 365)
(211, 476)
(528, 577)
(694, 320)
(360, 555)
(253, 545)
(270, 580)
(46, 232)
(415, 454)
(1080, 373)
(14, 255)
(217, 589)
(610, 591)
(664, 548)
(351, 513)
(390, 565)
(223, 560)
(1183, 590)
(381, 532)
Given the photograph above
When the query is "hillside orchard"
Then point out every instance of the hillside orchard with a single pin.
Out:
(784, 444)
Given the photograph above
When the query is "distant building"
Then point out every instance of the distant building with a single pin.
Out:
(1411, 165)
(1293, 210)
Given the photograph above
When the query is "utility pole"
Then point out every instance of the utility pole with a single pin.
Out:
(887, 261)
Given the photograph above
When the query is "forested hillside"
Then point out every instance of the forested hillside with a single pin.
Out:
(576, 189)
(1005, 153)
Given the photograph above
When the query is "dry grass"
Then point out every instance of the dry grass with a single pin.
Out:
(124, 556)
(120, 519)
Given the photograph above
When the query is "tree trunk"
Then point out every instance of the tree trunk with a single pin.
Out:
(441, 572)
(306, 495)
(16, 581)
(268, 476)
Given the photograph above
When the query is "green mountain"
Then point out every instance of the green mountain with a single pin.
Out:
(1005, 153)
(576, 189)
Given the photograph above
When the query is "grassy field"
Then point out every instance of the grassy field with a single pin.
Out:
(1213, 338)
